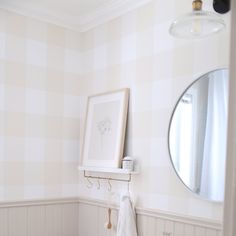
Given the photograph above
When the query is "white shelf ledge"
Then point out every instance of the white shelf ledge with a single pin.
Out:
(107, 170)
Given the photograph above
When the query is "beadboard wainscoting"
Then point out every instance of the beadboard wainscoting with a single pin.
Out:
(58, 217)
(155, 224)
(81, 217)
(93, 215)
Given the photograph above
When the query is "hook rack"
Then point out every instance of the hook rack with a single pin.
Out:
(118, 171)
(107, 178)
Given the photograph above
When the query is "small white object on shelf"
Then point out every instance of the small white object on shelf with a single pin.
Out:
(128, 163)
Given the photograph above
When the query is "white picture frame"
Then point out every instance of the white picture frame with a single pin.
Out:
(105, 127)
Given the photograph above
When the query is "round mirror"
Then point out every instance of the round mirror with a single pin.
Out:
(198, 133)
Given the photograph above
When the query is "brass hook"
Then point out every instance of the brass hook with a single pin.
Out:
(128, 188)
(99, 185)
(110, 186)
(90, 184)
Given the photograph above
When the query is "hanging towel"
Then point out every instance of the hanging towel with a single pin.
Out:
(127, 219)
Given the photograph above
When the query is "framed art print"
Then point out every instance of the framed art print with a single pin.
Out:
(105, 129)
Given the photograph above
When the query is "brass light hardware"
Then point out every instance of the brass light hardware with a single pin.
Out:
(197, 5)
(197, 23)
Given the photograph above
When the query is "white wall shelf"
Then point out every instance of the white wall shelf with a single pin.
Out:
(112, 171)
(107, 170)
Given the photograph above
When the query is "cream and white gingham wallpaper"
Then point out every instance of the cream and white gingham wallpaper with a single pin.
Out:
(136, 51)
(46, 74)
(39, 109)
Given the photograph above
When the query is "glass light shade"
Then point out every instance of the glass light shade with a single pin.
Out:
(197, 24)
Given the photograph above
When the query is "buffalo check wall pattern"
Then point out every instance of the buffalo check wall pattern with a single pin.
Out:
(46, 74)
(39, 109)
(136, 51)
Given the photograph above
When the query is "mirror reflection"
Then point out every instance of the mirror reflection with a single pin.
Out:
(197, 135)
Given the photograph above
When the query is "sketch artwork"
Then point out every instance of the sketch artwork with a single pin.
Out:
(104, 128)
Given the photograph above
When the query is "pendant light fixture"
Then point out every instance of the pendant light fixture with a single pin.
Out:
(197, 24)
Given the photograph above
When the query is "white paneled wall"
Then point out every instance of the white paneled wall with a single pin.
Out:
(151, 226)
(54, 218)
(79, 217)
(93, 215)
(92, 220)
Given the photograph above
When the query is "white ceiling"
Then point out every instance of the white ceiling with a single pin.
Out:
(76, 14)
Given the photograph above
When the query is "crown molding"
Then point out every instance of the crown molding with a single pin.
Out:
(83, 23)
(108, 12)
(47, 17)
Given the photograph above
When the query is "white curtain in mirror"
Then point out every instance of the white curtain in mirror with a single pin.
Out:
(181, 139)
(213, 169)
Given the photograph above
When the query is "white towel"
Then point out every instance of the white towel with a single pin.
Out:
(127, 219)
